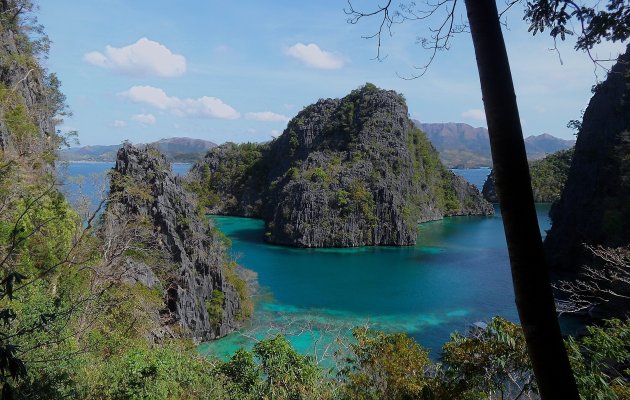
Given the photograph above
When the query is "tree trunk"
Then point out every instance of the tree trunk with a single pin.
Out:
(530, 276)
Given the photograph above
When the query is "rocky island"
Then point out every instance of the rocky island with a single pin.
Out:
(173, 250)
(346, 172)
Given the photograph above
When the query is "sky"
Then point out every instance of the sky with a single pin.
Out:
(237, 71)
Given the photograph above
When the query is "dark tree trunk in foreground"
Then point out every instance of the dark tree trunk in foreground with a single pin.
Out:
(532, 286)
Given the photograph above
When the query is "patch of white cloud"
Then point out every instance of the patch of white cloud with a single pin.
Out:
(144, 119)
(313, 56)
(266, 116)
(475, 113)
(119, 123)
(202, 107)
(275, 133)
(142, 58)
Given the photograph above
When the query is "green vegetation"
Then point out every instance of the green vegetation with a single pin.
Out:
(240, 167)
(548, 177)
(600, 361)
(246, 304)
(431, 174)
(363, 202)
(550, 174)
(486, 363)
(318, 174)
(215, 307)
(385, 366)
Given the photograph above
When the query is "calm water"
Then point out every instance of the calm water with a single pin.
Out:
(476, 176)
(457, 274)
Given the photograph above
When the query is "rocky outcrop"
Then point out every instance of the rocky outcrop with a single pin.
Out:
(548, 178)
(595, 204)
(489, 191)
(346, 172)
(24, 86)
(180, 253)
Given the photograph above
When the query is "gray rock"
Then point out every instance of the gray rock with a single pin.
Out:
(193, 261)
(24, 83)
(489, 191)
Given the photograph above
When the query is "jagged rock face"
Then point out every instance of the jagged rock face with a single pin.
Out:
(194, 256)
(489, 191)
(23, 80)
(346, 172)
(595, 204)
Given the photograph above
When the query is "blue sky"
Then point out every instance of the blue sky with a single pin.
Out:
(238, 70)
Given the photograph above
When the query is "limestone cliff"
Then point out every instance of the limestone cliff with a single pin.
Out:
(595, 204)
(180, 253)
(29, 96)
(346, 172)
(548, 178)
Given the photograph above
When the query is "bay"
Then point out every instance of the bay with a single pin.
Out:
(456, 274)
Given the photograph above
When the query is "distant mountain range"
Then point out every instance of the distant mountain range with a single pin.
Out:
(461, 145)
(177, 149)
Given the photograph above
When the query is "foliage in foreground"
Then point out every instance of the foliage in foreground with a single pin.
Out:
(486, 363)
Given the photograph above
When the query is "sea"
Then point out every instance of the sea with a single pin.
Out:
(457, 274)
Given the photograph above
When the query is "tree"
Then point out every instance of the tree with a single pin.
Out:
(611, 22)
(532, 285)
(490, 360)
(605, 284)
(273, 370)
(385, 366)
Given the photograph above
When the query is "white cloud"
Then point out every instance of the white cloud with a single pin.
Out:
(313, 56)
(203, 107)
(144, 119)
(143, 58)
(275, 133)
(119, 124)
(266, 116)
(475, 113)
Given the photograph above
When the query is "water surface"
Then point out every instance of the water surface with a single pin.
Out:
(456, 274)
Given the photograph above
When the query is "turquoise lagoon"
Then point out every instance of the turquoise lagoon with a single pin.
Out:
(456, 274)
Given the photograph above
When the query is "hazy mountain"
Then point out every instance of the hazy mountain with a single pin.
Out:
(542, 145)
(177, 149)
(461, 145)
